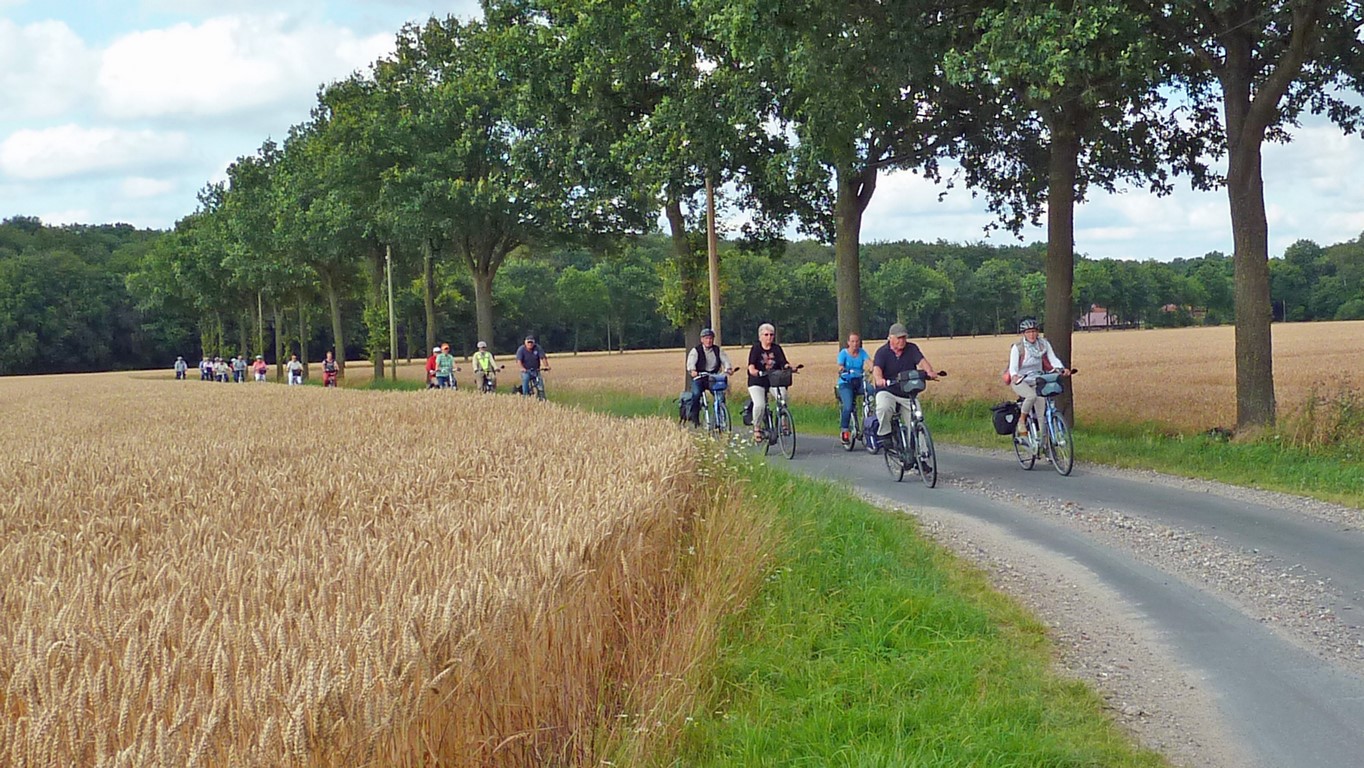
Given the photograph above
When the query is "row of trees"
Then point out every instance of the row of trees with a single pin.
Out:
(66, 303)
(565, 120)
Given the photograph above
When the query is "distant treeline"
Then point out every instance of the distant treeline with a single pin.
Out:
(82, 298)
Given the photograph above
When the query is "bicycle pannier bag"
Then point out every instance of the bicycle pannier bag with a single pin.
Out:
(684, 406)
(1005, 416)
(870, 425)
(748, 413)
(780, 378)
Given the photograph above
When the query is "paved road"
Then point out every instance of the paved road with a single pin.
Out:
(1285, 705)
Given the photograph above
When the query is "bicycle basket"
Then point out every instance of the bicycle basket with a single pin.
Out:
(1049, 384)
(719, 382)
(909, 383)
(780, 378)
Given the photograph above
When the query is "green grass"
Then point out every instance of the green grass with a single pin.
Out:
(869, 646)
(1332, 473)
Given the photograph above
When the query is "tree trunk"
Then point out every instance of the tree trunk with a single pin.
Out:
(378, 331)
(854, 193)
(688, 268)
(1255, 405)
(1063, 165)
(279, 341)
(483, 304)
(303, 338)
(338, 332)
(429, 292)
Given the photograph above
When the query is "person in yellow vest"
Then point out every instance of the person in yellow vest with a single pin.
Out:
(485, 368)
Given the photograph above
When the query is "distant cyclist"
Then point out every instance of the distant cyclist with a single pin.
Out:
(431, 368)
(705, 358)
(897, 356)
(531, 359)
(484, 365)
(295, 370)
(180, 367)
(763, 358)
(445, 368)
(852, 365)
(259, 368)
(1028, 357)
(330, 370)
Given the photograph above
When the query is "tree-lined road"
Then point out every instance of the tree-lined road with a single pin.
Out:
(1281, 699)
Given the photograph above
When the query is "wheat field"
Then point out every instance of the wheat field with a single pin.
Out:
(260, 575)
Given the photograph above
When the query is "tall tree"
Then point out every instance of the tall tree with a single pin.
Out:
(1264, 63)
(859, 84)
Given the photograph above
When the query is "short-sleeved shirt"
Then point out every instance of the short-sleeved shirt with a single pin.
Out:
(529, 358)
(854, 364)
(765, 360)
(893, 365)
(483, 361)
(445, 364)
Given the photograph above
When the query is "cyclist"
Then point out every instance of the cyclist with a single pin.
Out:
(763, 358)
(180, 367)
(531, 359)
(329, 370)
(484, 365)
(431, 368)
(295, 369)
(259, 368)
(852, 362)
(1028, 357)
(445, 368)
(898, 355)
(709, 359)
(239, 369)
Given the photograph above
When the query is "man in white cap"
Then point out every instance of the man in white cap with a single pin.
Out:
(898, 355)
(485, 368)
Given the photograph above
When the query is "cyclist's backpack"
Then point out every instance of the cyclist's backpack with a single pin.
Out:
(870, 426)
(748, 413)
(1005, 417)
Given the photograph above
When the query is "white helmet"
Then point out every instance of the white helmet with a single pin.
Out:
(435, 350)
(483, 345)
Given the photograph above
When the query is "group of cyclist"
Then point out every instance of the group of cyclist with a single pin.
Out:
(1030, 356)
(530, 360)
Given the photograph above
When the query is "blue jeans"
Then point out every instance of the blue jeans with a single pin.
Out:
(696, 397)
(526, 377)
(847, 390)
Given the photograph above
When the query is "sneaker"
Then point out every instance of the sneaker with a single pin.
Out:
(846, 436)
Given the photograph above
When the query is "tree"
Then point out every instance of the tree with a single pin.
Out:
(581, 295)
(998, 293)
(859, 86)
(1264, 63)
(1080, 105)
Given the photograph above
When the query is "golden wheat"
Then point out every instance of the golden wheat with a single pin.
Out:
(199, 574)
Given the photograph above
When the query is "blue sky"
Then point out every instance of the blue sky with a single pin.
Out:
(121, 111)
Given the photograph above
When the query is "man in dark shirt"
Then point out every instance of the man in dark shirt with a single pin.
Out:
(899, 354)
(529, 357)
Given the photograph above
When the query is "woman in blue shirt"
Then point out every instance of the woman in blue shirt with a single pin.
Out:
(852, 361)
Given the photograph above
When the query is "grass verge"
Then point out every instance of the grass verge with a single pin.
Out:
(869, 646)
(1332, 473)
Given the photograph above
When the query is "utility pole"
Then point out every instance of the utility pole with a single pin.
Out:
(392, 321)
(713, 254)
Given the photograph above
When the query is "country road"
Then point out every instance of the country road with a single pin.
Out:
(1221, 623)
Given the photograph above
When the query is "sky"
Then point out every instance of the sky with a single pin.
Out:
(122, 110)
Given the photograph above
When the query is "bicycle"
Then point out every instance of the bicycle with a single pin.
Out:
(714, 408)
(779, 427)
(863, 405)
(489, 385)
(1060, 444)
(911, 445)
(536, 384)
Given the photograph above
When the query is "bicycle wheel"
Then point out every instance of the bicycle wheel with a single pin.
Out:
(924, 454)
(769, 431)
(894, 449)
(1061, 444)
(1022, 449)
(722, 417)
(786, 433)
(706, 415)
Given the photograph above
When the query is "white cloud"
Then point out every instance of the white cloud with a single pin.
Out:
(45, 69)
(71, 150)
(228, 65)
(138, 187)
(69, 216)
